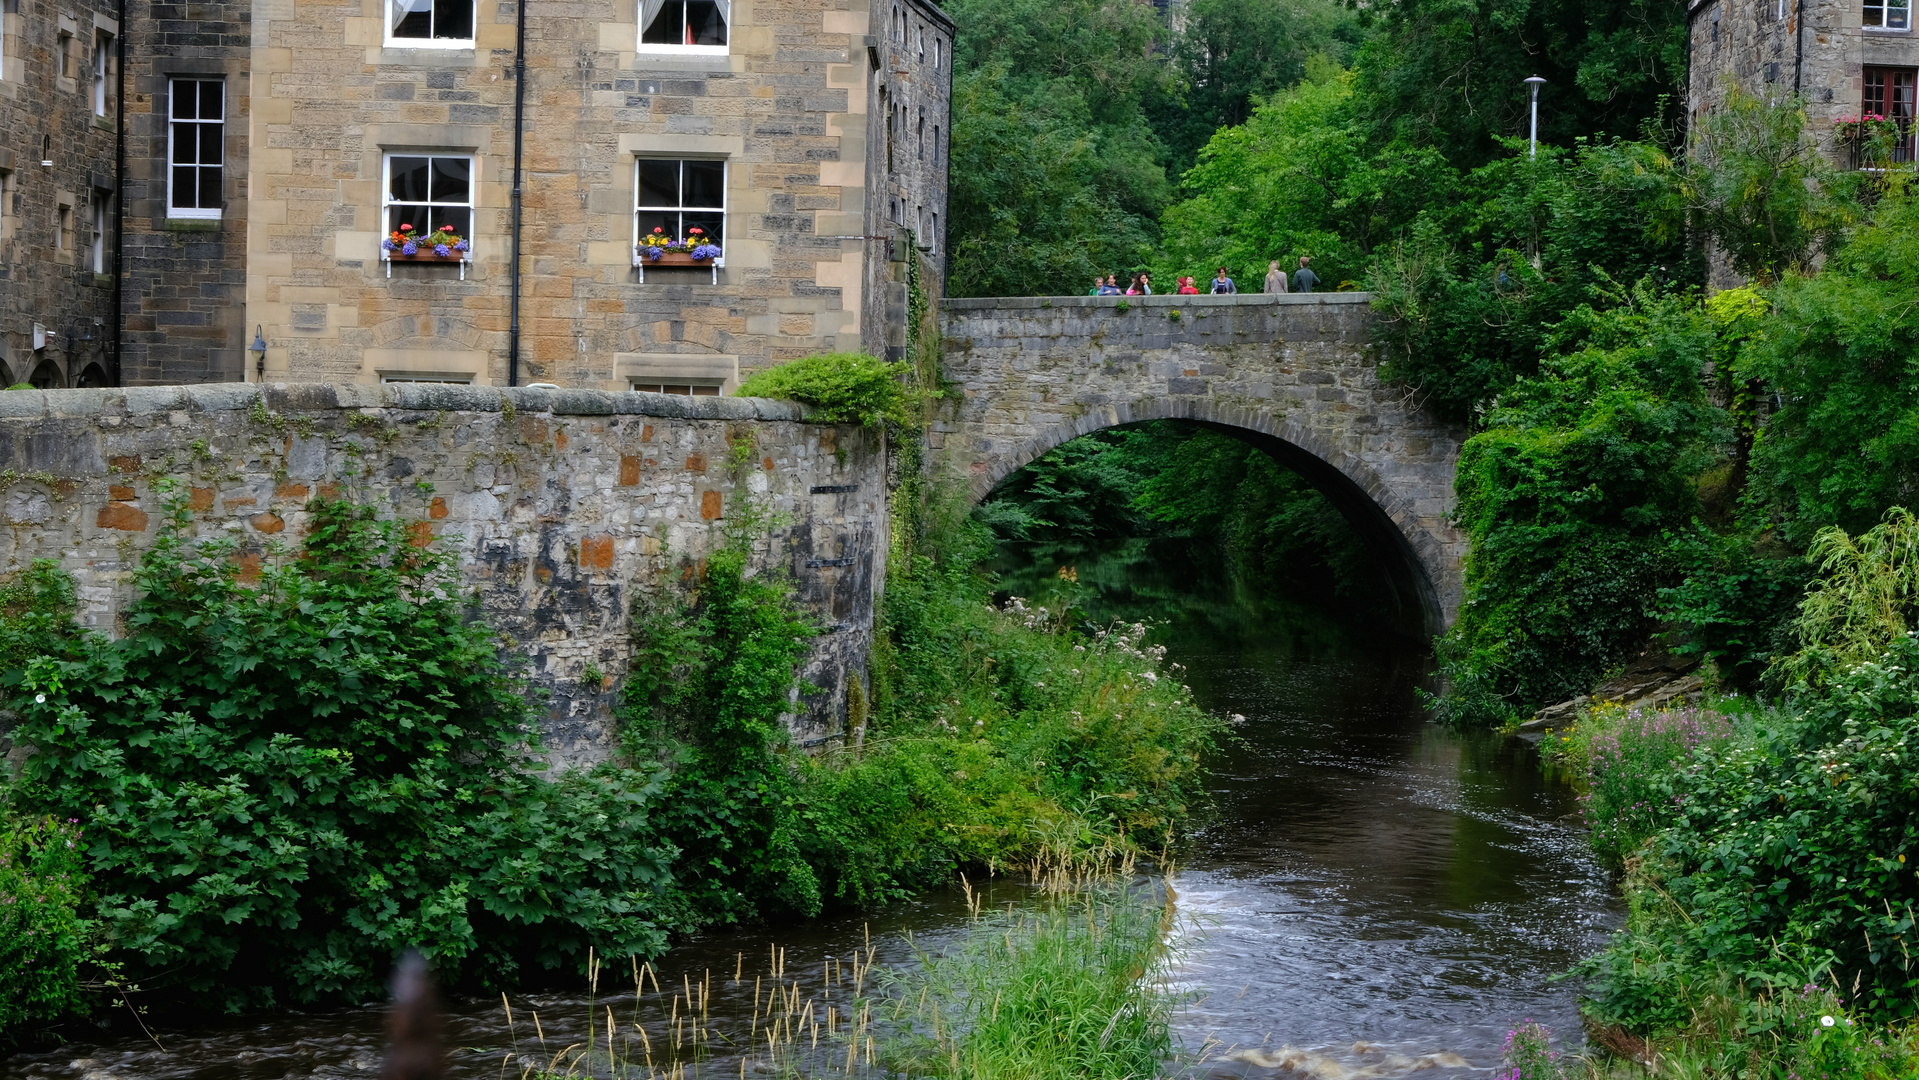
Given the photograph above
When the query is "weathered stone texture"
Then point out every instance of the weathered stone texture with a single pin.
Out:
(909, 132)
(562, 507)
(47, 114)
(1294, 374)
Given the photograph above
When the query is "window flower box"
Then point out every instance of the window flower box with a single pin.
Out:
(696, 251)
(440, 246)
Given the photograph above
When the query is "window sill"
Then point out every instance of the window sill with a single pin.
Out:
(192, 224)
(435, 44)
(694, 53)
(391, 257)
(1887, 29)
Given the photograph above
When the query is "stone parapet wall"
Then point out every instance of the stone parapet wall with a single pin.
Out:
(563, 506)
(1295, 374)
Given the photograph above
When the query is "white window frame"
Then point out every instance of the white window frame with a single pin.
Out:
(203, 213)
(649, 48)
(102, 63)
(472, 203)
(1886, 8)
(726, 199)
(392, 42)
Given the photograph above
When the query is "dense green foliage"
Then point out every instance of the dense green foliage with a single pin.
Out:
(1568, 494)
(44, 939)
(843, 388)
(286, 781)
(1787, 859)
(1169, 478)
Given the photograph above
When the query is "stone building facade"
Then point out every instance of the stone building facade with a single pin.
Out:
(269, 146)
(1843, 57)
(59, 108)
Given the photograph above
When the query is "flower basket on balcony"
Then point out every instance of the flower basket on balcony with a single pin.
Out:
(442, 245)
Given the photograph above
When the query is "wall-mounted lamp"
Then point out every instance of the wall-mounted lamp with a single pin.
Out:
(259, 351)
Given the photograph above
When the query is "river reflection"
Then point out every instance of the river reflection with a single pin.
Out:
(1361, 877)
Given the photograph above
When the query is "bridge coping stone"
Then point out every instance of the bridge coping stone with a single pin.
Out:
(1165, 300)
(415, 397)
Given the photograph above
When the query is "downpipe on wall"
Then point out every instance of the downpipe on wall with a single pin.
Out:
(519, 151)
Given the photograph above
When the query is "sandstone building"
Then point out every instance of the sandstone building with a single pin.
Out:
(224, 176)
(1845, 58)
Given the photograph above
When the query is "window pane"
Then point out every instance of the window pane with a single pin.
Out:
(185, 98)
(453, 19)
(212, 151)
(667, 222)
(706, 391)
(456, 218)
(212, 100)
(409, 178)
(668, 27)
(705, 184)
(184, 190)
(209, 188)
(659, 183)
(712, 223)
(704, 26)
(450, 179)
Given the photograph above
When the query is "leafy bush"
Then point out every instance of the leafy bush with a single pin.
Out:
(1567, 496)
(287, 781)
(1861, 602)
(1624, 761)
(844, 388)
(43, 937)
(1787, 860)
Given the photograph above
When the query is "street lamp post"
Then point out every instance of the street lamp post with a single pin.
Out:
(1535, 82)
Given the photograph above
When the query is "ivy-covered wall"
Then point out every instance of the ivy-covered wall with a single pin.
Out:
(564, 506)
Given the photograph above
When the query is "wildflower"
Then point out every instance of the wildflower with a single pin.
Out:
(41, 699)
(1825, 1021)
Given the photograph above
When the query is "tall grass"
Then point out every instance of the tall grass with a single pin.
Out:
(1071, 990)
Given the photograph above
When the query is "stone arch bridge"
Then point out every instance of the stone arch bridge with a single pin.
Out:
(1295, 375)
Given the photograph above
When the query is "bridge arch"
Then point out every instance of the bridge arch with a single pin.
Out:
(1293, 375)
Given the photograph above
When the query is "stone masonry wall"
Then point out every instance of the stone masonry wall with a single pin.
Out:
(47, 211)
(562, 506)
(183, 290)
(1294, 374)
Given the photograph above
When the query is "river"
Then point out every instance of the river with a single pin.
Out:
(1365, 885)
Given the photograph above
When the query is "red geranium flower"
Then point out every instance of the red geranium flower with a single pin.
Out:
(406, 228)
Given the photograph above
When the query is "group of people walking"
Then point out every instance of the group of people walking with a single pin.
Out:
(1302, 280)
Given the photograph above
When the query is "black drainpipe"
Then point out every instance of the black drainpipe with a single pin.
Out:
(1798, 46)
(116, 324)
(519, 147)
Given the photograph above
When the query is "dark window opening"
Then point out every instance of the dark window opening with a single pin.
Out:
(683, 22)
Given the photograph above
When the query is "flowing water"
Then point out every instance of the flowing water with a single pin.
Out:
(1372, 893)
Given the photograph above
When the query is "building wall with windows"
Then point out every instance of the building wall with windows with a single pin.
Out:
(59, 97)
(746, 119)
(183, 285)
(1844, 57)
(909, 127)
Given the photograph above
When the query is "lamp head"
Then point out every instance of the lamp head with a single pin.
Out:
(259, 351)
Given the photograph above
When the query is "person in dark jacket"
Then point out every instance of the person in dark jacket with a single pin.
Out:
(1304, 280)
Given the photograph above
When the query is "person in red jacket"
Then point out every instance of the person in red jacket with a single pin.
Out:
(1186, 287)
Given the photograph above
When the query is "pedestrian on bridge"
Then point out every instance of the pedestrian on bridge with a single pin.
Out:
(1223, 284)
(1304, 280)
(1275, 278)
(1187, 288)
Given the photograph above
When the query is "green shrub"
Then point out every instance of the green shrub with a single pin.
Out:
(43, 938)
(1789, 858)
(1624, 762)
(844, 388)
(1861, 602)
(286, 782)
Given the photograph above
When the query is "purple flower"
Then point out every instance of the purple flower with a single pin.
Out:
(442, 250)
(706, 251)
(463, 246)
(653, 253)
(411, 248)
(386, 245)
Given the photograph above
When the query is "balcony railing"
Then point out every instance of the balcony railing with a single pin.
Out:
(1863, 154)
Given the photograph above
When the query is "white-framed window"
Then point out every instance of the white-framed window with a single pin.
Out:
(429, 24)
(936, 52)
(196, 147)
(1888, 14)
(102, 68)
(430, 192)
(688, 389)
(685, 26)
(676, 195)
(99, 232)
(933, 238)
